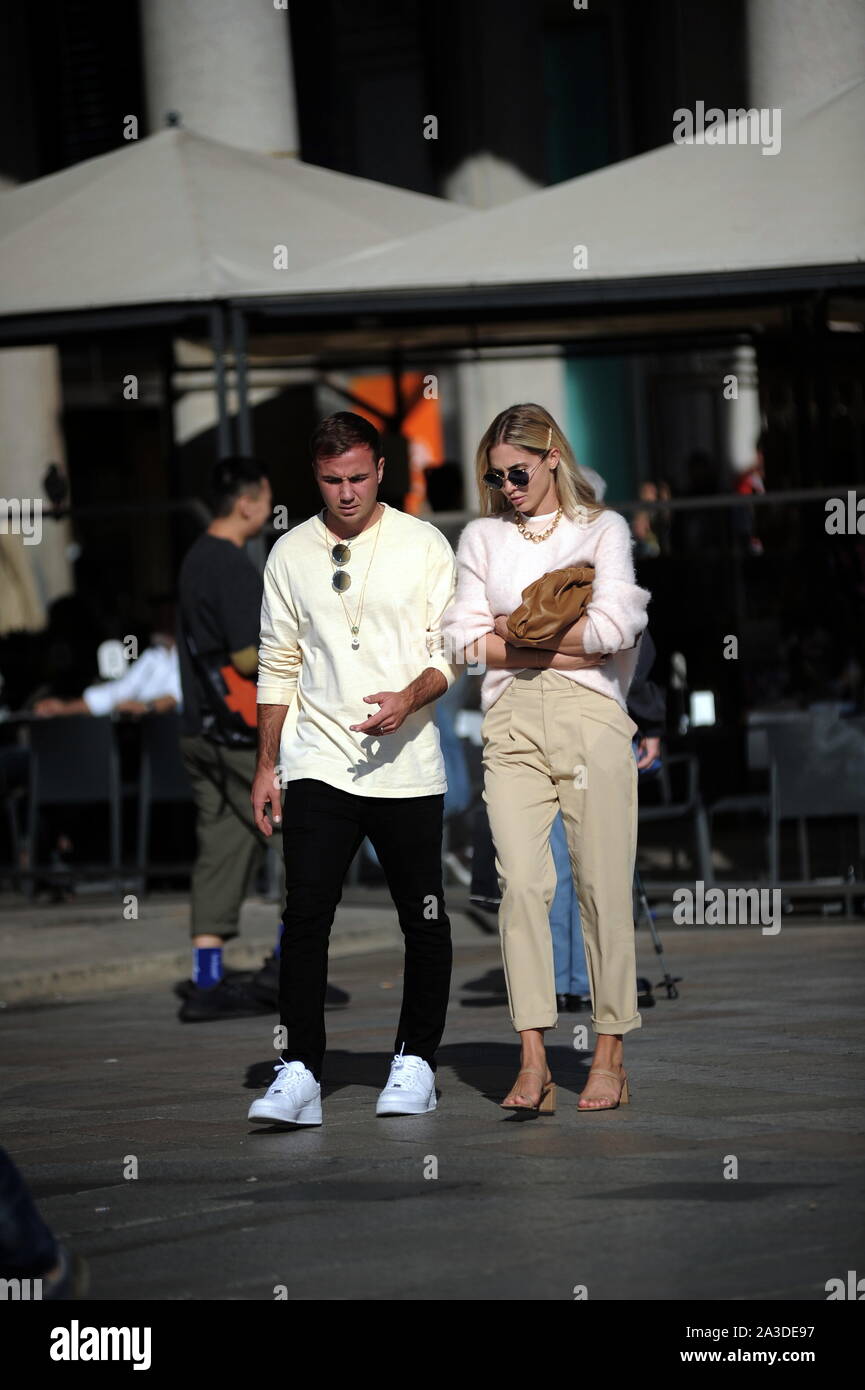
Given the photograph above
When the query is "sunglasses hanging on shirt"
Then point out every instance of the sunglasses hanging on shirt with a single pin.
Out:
(341, 554)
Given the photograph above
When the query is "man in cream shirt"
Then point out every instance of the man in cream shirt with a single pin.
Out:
(351, 643)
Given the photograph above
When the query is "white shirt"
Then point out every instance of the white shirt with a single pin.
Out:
(305, 650)
(496, 564)
(154, 674)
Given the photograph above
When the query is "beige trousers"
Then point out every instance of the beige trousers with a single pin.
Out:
(551, 742)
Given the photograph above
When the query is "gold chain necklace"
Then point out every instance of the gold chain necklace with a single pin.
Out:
(354, 625)
(537, 536)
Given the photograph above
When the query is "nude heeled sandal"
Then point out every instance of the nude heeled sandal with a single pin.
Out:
(624, 1094)
(547, 1101)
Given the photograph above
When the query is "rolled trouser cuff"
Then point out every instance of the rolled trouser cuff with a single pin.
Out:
(625, 1026)
(531, 1021)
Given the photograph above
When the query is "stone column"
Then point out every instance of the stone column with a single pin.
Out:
(30, 440)
(495, 119)
(225, 66)
(742, 414)
(799, 51)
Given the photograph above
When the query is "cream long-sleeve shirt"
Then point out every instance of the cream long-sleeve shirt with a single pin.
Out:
(306, 660)
(496, 563)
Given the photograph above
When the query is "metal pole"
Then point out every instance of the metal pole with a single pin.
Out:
(398, 404)
(169, 398)
(217, 339)
(244, 418)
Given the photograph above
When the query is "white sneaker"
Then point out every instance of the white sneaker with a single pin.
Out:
(410, 1089)
(293, 1098)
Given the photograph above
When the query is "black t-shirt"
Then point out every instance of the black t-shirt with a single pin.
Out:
(220, 607)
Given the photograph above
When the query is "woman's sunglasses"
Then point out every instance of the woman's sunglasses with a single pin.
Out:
(518, 476)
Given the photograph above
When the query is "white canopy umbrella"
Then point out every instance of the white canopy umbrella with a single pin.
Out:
(177, 216)
(683, 209)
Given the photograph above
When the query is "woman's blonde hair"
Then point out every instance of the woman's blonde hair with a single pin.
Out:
(533, 428)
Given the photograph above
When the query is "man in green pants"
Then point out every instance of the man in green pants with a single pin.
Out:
(218, 624)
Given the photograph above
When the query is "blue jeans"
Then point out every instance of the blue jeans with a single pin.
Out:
(446, 708)
(569, 954)
(459, 789)
(568, 951)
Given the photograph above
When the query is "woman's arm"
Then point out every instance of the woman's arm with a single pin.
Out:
(616, 613)
(474, 638)
(468, 618)
(568, 642)
(494, 653)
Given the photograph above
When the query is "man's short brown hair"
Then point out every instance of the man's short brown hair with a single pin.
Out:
(341, 432)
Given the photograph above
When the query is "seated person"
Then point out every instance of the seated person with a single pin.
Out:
(151, 685)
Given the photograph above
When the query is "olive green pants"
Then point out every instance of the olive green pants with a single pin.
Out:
(230, 847)
(551, 742)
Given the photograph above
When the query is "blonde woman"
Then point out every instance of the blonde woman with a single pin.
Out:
(556, 733)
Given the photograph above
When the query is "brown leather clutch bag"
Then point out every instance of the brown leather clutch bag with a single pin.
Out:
(551, 603)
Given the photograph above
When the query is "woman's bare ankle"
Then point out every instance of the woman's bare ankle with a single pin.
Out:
(532, 1051)
(609, 1051)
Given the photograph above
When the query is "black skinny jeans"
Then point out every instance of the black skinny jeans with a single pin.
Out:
(322, 830)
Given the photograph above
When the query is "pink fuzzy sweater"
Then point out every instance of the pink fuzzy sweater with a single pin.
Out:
(496, 563)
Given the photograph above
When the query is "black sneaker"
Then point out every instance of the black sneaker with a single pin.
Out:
(645, 997)
(265, 986)
(184, 989)
(484, 912)
(265, 982)
(333, 995)
(228, 999)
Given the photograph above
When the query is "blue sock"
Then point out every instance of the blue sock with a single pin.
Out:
(277, 950)
(206, 966)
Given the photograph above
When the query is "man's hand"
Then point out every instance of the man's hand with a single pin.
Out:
(648, 749)
(265, 792)
(137, 707)
(49, 708)
(52, 708)
(163, 704)
(395, 707)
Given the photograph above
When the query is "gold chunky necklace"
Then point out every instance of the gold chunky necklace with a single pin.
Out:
(355, 624)
(537, 536)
